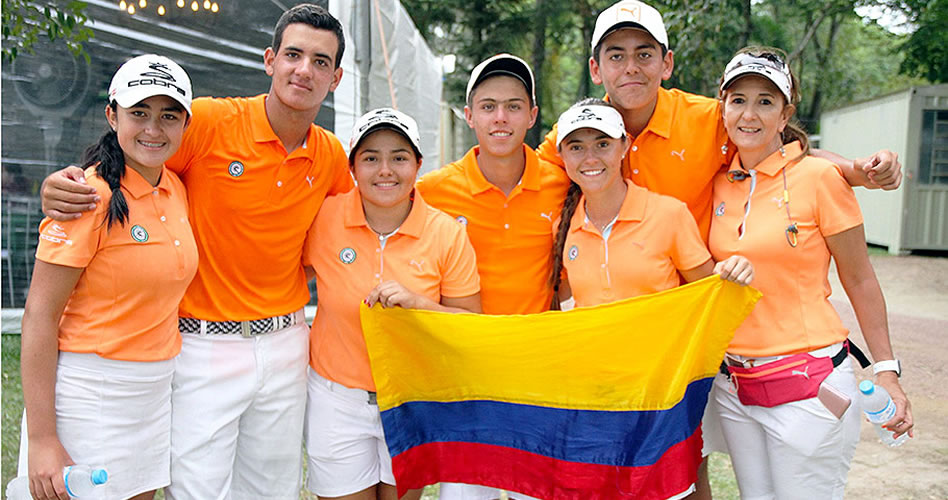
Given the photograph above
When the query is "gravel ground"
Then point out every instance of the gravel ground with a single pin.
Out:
(916, 292)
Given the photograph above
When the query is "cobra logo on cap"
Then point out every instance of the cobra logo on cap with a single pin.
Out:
(347, 255)
(235, 169)
(139, 234)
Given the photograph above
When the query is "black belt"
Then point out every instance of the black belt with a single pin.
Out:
(837, 359)
(251, 328)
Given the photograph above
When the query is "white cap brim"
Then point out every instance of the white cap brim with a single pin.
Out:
(605, 119)
(630, 14)
(385, 118)
(148, 76)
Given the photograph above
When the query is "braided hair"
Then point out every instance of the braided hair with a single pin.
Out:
(573, 195)
(109, 161)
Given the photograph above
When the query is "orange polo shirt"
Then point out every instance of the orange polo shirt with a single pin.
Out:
(510, 234)
(794, 314)
(251, 203)
(125, 304)
(429, 254)
(679, 152)
(652, 237)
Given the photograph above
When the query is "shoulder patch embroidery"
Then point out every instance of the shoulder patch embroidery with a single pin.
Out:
(720, 210)
(573, 253)
(462, 219)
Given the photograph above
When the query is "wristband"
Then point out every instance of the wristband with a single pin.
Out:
(889, 365)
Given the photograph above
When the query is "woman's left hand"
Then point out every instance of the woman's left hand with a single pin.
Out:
(393, 293)
(902, 422)
(735, 268)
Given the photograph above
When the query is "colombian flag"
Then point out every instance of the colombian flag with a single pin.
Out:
(600, 402)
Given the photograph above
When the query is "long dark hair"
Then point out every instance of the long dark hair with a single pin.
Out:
(573, 194)
(566, 215)
(107, 156)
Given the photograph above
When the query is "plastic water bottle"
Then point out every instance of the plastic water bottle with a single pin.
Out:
(879, 408)
(81, 483)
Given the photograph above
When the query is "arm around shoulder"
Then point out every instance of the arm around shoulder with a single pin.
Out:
(881, 170)
(65, 194)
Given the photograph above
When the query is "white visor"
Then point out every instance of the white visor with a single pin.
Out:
(768, 66)
(605, 119)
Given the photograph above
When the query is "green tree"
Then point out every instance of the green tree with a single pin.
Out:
(24, 22)
(926, 50)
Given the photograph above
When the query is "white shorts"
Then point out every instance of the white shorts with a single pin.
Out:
(115, 415)
(237, 425)
(794, 450)
(344, 440)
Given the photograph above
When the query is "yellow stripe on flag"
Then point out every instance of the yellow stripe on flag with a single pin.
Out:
(636, 354)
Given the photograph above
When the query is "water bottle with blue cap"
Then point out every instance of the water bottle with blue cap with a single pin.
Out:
(879, 409)
(82, 483)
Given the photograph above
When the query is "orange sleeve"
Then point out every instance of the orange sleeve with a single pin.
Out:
(688, 250)
(196, 136)
(459, 276)
(74, 243)
(342, 183)
(310, 240)
(547, 149)
(836, 207)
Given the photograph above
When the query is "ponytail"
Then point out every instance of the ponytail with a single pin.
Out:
(566, 217)
(794, 132)
(107, 156)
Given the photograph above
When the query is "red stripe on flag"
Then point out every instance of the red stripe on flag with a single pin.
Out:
(544, 477)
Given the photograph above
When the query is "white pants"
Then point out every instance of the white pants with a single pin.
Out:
(344, 440)
(797, 450)
(237, 419)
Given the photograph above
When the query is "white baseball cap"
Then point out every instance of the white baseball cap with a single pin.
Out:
(630, 14)
(502, 64)
(385, 118)
(768, 65)
(605, 119)
(150, 75)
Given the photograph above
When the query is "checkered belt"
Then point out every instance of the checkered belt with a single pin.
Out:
(243, 328)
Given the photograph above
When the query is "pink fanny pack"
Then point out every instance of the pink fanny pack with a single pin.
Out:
(793, 378)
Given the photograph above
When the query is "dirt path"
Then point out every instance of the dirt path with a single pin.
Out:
(916, 292)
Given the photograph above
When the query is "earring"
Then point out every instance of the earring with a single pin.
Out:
(783, 152)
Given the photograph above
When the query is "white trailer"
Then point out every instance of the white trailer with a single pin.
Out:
(914, 124)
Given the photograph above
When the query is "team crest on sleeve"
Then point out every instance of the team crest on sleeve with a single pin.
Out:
(347, 255)
(235, 169)
(720, 210)
(462, 219)
(573, 252)
(139, 234)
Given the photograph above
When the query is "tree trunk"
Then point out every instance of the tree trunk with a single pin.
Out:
(748, 22)
(823, 56)
(586, 25)
(539, 55)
